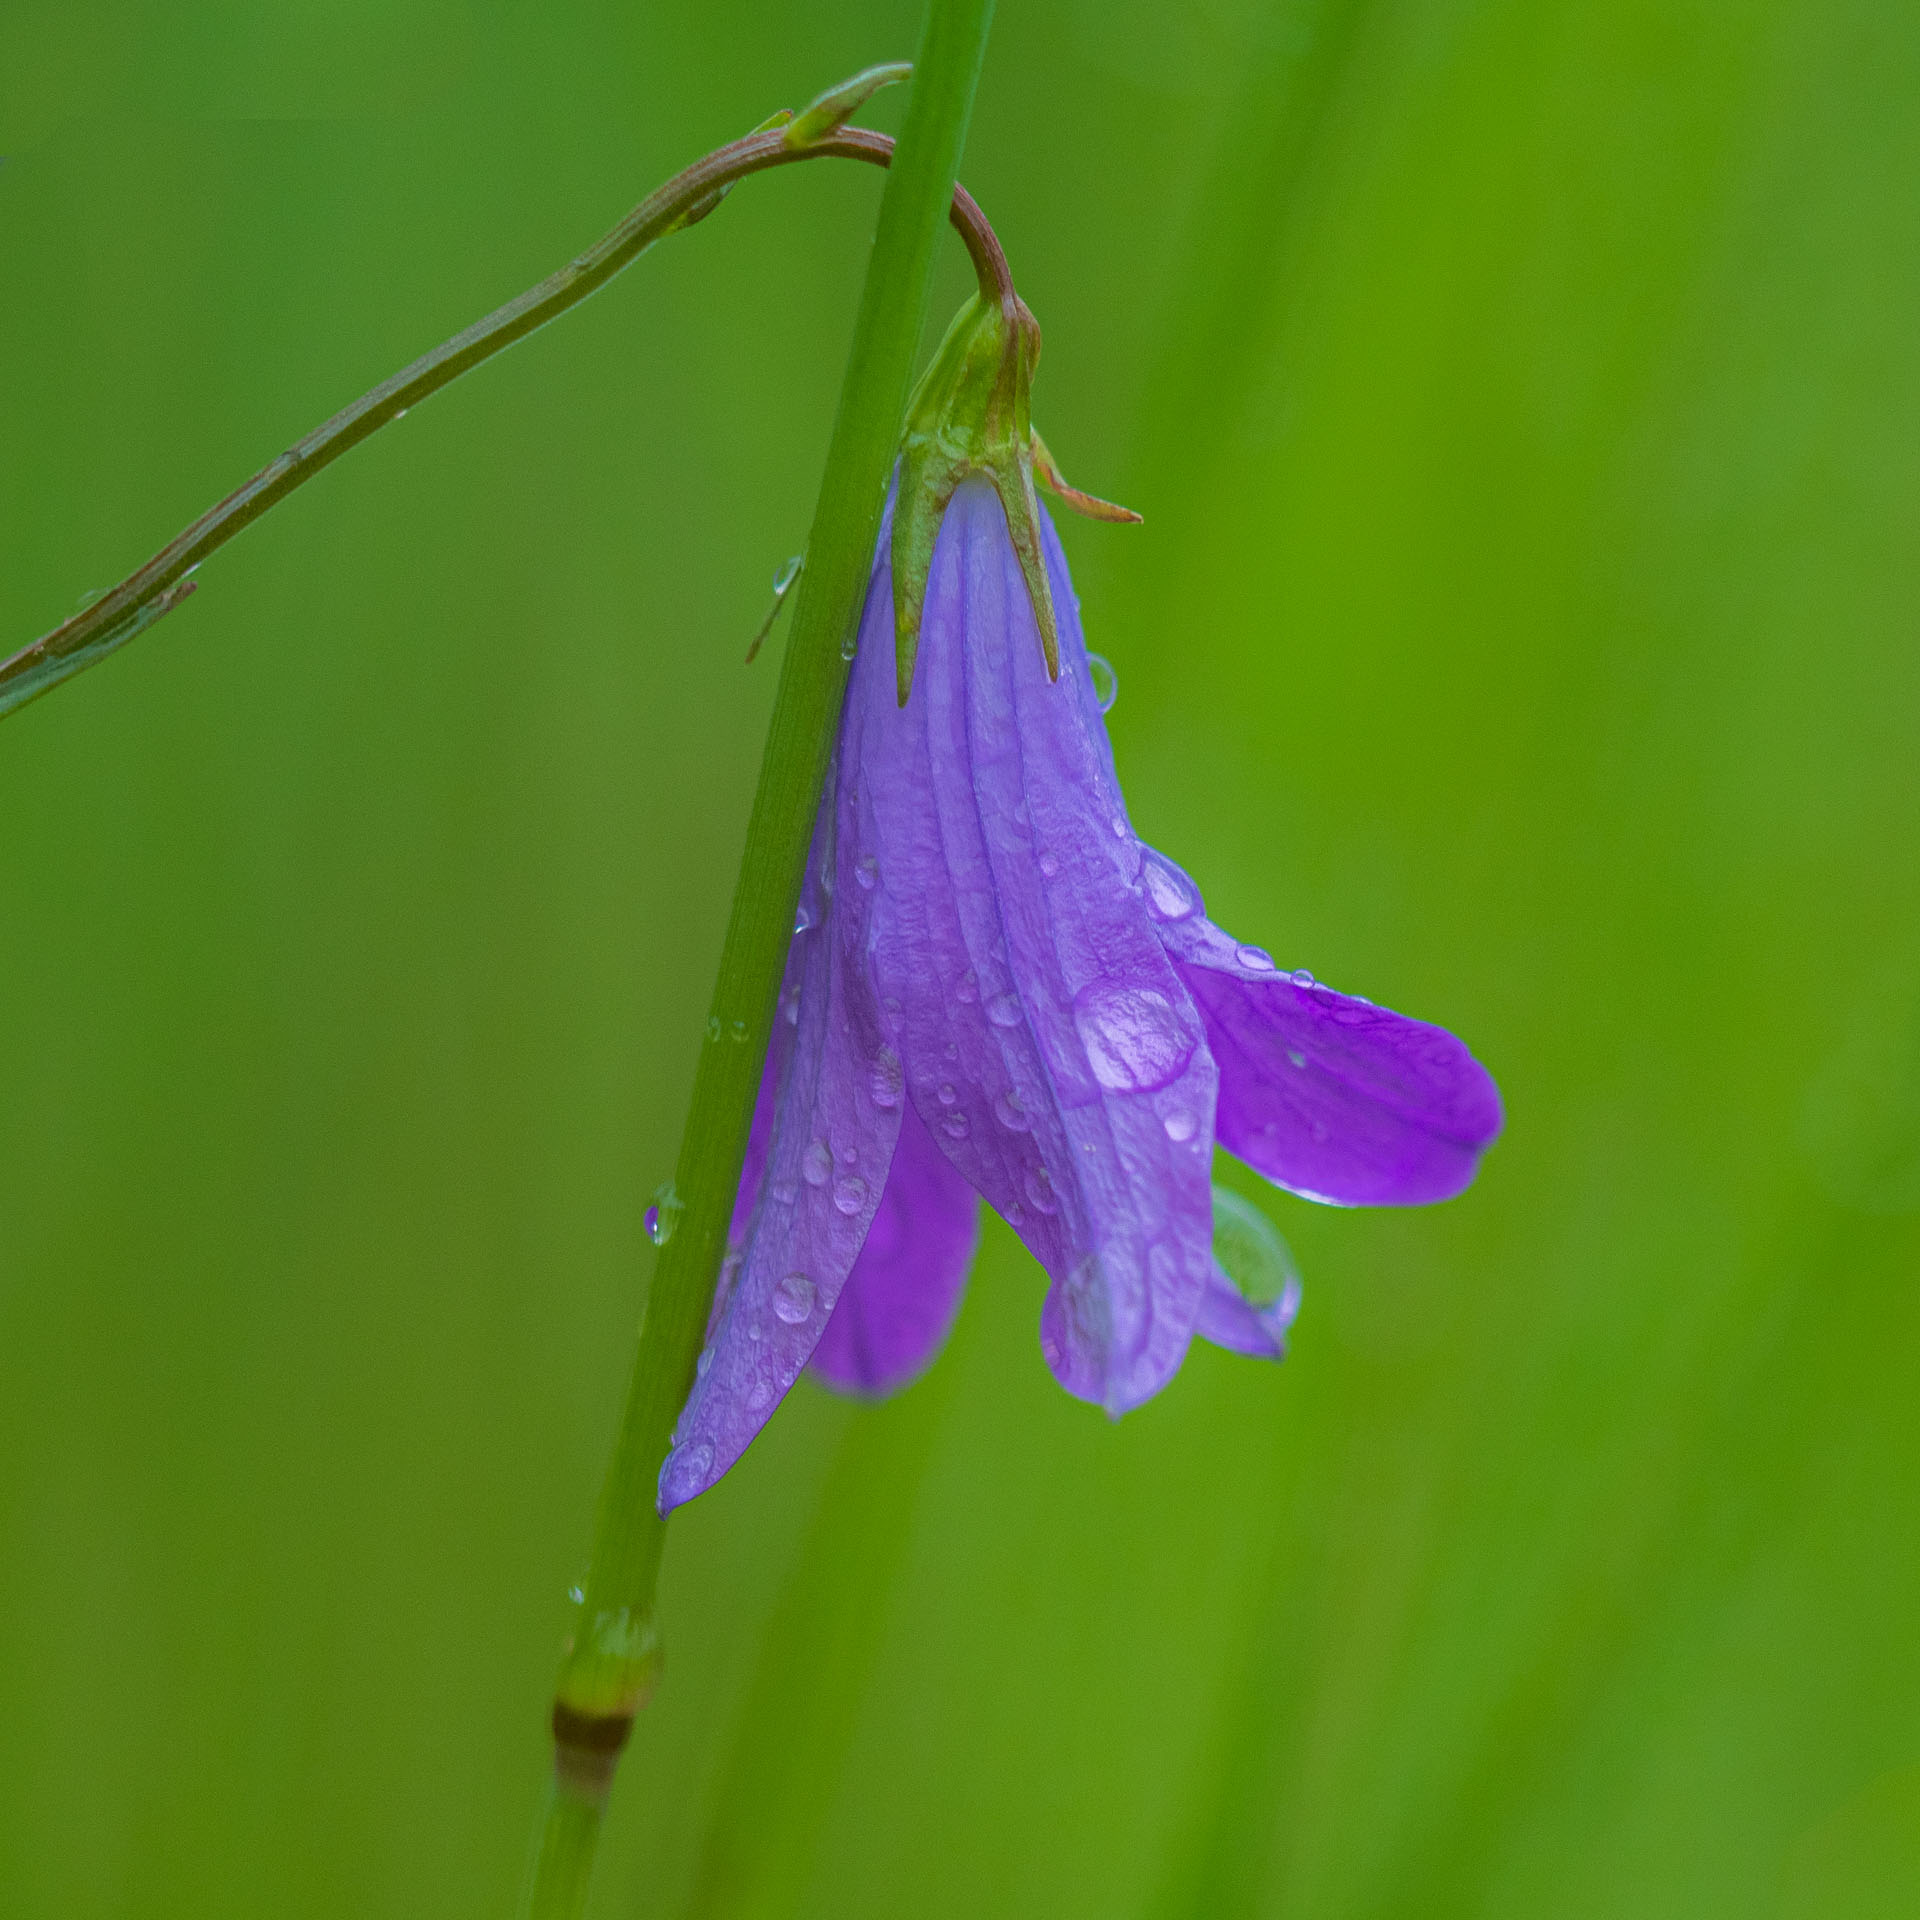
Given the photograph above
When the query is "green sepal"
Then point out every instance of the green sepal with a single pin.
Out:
(971, 413)
(834, 108)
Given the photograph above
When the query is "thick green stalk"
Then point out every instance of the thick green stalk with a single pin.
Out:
(612, 1664)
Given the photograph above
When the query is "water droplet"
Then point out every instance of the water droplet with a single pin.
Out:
(1180, 1125)
(1106, 683)
(738, 1033)
(803, 916)
(946, 1095)
(1004, 1009)
(867, 872)
(578, 1595)
(1119, 827)
(816, 1164)
(787, 575)
(793, 1009)
(1249, 1250)
(891, 1008)
(956, 1126)
(664, 1215)
(687, 1469)
(793, 1299)
(704, 1365)
(968, 991)
(885, 1079)
(851, 644)
(1168, 895)
(1135, 1041)
(1039, 1186)
(1049, 866)
(851, 1155)
(758, 1395)
(1015, 1214)
(403, 412)
(1257, 959)
(1295, 1058)
(713, 1026)
(785, 1191)
(849, 1193)
(1010, 1113)
(1301, 977)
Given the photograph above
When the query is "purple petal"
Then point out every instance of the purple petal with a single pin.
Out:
(835, 1118)
(899, 1302)
(1052, 1050)
(1324, 1093)
(1230, 1320)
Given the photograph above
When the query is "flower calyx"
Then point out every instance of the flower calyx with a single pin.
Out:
(972, 414)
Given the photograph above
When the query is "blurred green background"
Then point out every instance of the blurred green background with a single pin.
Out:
(1525, 406)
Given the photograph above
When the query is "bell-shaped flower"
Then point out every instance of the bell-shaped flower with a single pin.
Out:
(997, 991)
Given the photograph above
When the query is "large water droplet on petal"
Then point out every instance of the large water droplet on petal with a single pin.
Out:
(884, 1079)
(1106, 683)
(849, 1193)
(1181, 1126)
(816, 1164)
(1039, 1186)
(1258, 959)
(1010, 1113)
(867, 872)
(1168, 895)
(793, 1299)
(956, 1126)
(1250, 1252)
(1135, 1040)
(1004, 1009)
(687, 1470)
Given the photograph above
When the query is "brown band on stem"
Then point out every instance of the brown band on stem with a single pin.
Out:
(587, 1747)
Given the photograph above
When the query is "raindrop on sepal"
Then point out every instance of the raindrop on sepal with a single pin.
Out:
(1106, 683)
(663, 1216)
(1248, 1249)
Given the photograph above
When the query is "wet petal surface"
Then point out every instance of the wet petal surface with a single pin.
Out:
(1327, 1094)
(829, 1143)
(895, 1311)
(1051, 1048)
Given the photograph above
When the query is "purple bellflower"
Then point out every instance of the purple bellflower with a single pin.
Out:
(997, 991)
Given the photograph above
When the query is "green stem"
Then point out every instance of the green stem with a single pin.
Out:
(151, 591)
(614, 1660)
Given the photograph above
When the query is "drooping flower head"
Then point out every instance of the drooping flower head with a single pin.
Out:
(996, 991)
